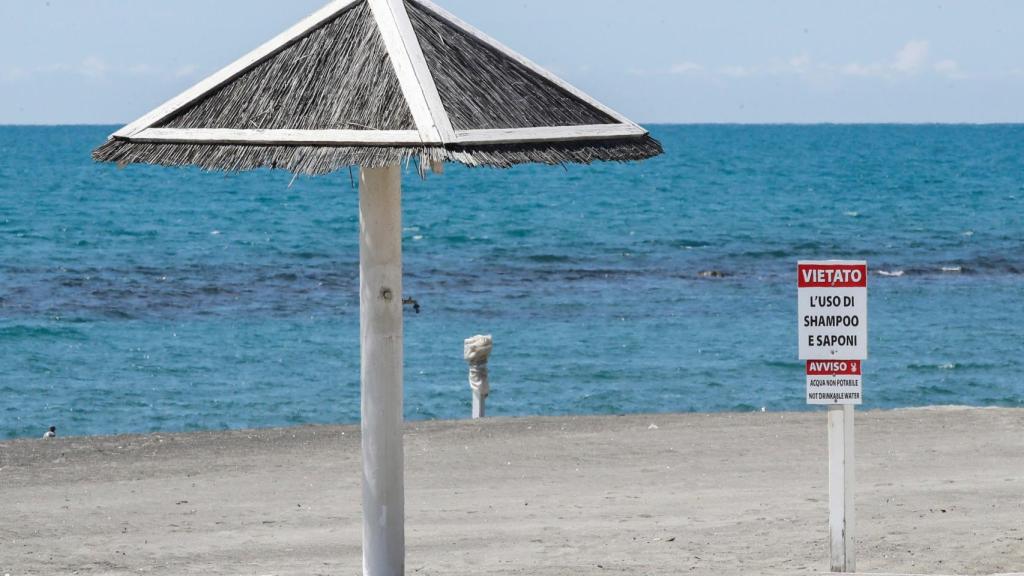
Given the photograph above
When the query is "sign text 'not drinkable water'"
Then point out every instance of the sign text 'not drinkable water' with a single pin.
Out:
(834, 382)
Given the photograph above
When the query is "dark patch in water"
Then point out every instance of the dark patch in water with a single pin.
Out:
(549, 258)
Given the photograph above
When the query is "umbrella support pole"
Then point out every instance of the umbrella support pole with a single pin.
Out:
(380, 313)
(479, 405)
(477, 351)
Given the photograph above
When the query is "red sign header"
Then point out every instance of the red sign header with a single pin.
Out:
(833, 368)
(832, 275)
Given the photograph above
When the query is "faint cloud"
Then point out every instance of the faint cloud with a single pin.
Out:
(680, 69)
(737, 71)
(858, 69)
(55, 69)
(14, 74)
(92, 67)
(185, 71)
(685, 68)
(800, 64)
(141, 70)
(912, 56)
(96, 68)
(950, 69)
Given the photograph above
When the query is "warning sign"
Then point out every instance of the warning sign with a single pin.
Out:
(833, 310)
(834, 382)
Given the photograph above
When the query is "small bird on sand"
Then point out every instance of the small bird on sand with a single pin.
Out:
(51, 433)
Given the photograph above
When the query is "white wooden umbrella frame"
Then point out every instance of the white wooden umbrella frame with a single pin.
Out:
(433, 126)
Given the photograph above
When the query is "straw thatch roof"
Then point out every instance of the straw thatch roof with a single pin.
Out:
(375, 82)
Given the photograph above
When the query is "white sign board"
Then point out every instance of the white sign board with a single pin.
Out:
(831, 382)
(833, 310)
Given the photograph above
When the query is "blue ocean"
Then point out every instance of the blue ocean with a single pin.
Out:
(153, 299)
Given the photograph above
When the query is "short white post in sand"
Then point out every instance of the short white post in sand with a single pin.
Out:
(476, 352)
(841, 488)
(380, 314)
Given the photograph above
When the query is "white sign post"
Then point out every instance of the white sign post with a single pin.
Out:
(833, 333)
(840, 488)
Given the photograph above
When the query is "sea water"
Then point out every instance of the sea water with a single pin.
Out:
(157, 299)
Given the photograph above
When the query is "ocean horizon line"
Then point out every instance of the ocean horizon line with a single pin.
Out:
(652, 123)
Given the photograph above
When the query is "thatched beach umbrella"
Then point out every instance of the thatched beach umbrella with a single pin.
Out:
(374, 83)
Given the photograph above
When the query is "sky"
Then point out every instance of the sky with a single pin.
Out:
(657, 61)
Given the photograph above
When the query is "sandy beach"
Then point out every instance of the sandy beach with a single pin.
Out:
(939, 491)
